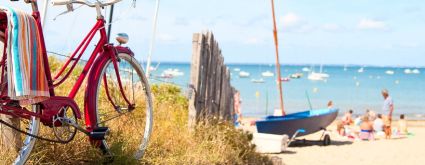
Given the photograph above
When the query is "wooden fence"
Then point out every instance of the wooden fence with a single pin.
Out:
(212, 94)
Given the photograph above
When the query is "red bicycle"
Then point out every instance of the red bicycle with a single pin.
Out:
(117, 97)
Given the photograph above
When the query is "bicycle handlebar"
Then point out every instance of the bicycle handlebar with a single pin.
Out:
(84, 2)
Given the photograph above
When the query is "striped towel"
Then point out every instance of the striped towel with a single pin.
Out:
(25, 72)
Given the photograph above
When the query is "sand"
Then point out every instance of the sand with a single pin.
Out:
(403, 151)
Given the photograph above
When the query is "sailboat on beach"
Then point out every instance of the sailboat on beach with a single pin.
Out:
(301, 123)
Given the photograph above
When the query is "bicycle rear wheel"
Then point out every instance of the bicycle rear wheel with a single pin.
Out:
(130, 125)
(16, 147)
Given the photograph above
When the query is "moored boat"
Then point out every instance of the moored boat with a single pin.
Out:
(244, 74)
(389, 72)
(267, 74)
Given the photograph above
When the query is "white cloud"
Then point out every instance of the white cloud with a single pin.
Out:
(290, 20)
(370, 24)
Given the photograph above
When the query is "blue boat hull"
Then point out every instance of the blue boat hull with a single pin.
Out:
(310, 121)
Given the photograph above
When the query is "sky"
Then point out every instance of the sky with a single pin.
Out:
(361, 32)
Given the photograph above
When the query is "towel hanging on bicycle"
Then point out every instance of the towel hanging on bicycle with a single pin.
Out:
(25, 66)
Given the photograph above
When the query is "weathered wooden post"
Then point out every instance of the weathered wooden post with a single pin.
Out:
(195, 76)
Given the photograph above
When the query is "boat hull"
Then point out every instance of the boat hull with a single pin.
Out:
(310, 121)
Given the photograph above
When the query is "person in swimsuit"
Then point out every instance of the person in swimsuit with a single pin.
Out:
(366, 129)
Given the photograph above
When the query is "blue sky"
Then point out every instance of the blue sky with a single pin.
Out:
(365, 32)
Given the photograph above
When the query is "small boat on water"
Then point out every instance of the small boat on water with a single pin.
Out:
(237, 69)
(244, 74)
(317, 76)
(172, 72)
(267, 74)
(389, 72)
(258, 81)
(416, 71)
(361, 70)
(305, 69)
(407, 71)
(310, 121)
(296, 75)
(285, 79)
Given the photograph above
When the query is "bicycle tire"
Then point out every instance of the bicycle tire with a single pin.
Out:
(98, 101)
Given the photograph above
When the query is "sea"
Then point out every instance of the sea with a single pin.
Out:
(346, 87)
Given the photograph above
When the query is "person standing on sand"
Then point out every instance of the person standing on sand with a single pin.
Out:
(388, 107)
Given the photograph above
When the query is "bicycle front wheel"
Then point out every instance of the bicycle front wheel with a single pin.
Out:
(125, 110)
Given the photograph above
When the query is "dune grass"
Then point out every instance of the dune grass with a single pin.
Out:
(172, 142)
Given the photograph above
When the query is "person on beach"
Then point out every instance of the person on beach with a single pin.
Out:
(366, 129)
(237, 107)
(330, 104)
(378, 125)
(346, 120)
(388, 107)
(402, 126)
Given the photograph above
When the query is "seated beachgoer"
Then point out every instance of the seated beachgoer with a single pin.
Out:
(345, 121)
(358, 121)
(366, 129)
(372, 115)
(402, 126)
(378, 126)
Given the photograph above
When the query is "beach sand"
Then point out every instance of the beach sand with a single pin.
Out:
(409, 151)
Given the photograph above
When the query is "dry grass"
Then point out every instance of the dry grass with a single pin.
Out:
(213, 142)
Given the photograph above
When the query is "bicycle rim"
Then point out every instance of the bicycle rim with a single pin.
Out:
(129, 129)
(16, 147)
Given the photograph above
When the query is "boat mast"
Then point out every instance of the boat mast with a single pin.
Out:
(279, 82)
(155, 21)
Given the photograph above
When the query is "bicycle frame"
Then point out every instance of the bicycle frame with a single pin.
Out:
(102, 51)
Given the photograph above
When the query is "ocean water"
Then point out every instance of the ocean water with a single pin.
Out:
(346, 87)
